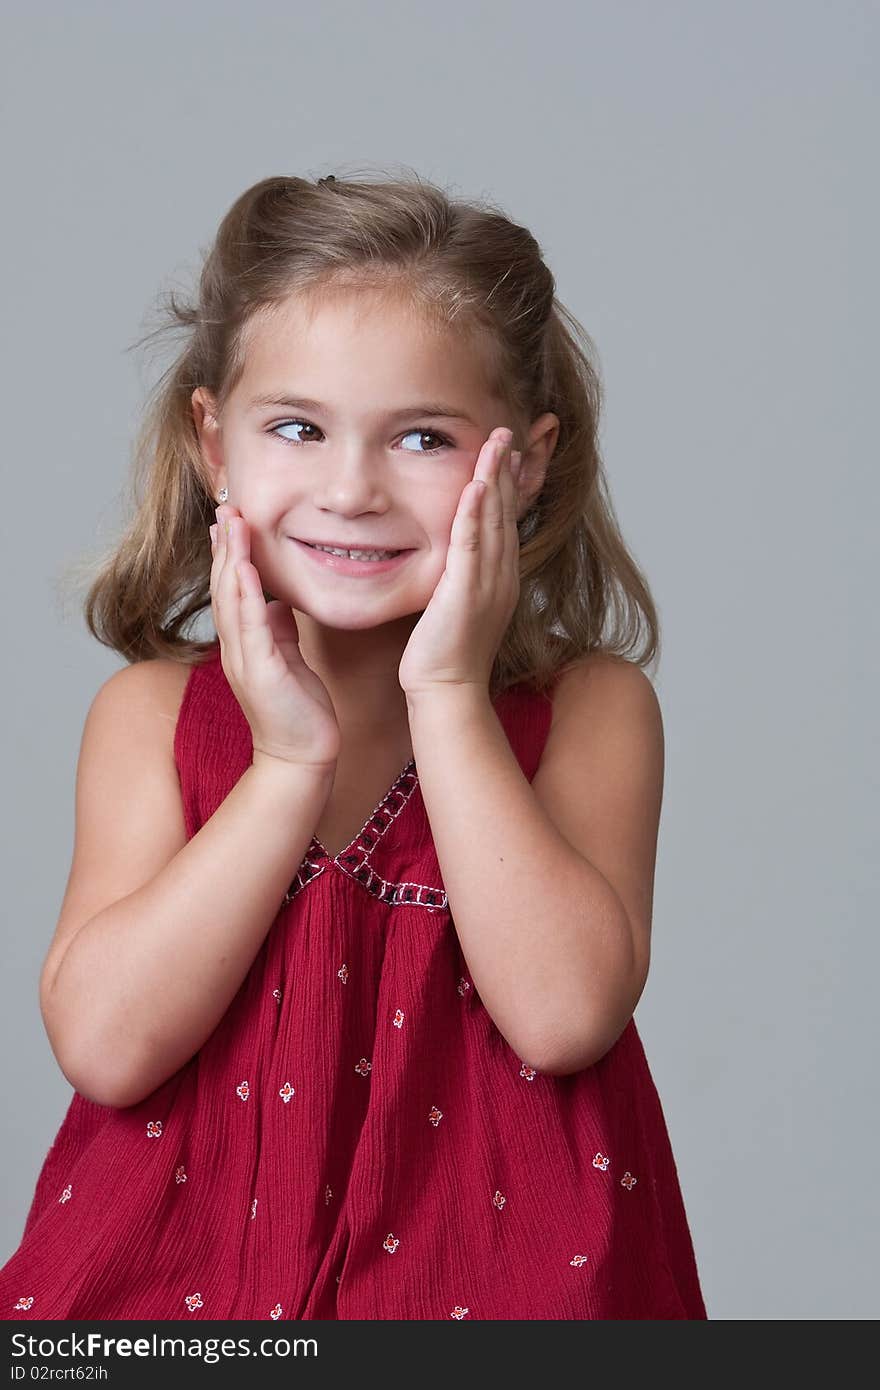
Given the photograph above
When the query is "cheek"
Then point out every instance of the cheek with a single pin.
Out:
(261, 503)
(445, 507)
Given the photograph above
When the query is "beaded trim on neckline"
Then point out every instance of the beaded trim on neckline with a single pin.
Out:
(355, 860)
(381, 818)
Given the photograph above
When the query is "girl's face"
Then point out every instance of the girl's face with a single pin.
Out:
(374, 433)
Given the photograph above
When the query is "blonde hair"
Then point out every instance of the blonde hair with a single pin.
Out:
(457, 263)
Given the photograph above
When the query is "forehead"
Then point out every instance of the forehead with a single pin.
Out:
(316, 342)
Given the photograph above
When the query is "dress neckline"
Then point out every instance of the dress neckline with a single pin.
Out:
(383, 815)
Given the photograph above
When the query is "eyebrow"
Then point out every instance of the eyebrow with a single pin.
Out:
(440, 410)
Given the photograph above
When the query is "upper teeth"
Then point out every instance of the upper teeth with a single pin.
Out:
(357, 554)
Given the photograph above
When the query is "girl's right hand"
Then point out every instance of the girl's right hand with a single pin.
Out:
(286, 704)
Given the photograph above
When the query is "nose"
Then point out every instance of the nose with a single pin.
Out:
(353, 481)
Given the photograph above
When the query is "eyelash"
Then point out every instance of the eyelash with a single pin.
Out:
(447, 443)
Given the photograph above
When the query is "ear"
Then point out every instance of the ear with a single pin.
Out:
(537, 451)
(210, 438)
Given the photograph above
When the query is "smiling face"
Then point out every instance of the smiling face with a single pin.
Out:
(374, 465)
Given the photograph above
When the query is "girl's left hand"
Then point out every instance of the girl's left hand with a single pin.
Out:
(457, 638)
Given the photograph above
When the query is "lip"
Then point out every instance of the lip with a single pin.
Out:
(348, 545)
(356, 568)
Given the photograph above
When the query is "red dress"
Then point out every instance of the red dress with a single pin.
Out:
(356, 1139)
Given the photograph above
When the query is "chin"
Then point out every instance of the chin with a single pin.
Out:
(362, 617)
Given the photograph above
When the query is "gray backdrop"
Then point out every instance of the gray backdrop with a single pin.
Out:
(700, 178)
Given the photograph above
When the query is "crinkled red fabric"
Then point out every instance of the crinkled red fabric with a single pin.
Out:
(356, 1139)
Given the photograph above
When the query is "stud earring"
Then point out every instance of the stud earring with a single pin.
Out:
(224, 493)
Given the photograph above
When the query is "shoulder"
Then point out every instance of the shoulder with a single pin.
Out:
(159, 680)
(605, 685)
(606, 715)
(151, 691)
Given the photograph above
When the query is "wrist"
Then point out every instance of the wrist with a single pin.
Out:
(451, 700)
(270, 768)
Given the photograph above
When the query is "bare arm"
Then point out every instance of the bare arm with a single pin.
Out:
(138, 979)
(552, 907)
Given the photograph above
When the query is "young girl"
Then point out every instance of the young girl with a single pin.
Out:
(360, 903)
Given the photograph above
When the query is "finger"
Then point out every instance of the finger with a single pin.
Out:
(218, 599)
(463, 558)
(511, 564)
(510, 498)
(216, 562)
(500, 535)
(255, 633)
(226, 618)
(496, 507)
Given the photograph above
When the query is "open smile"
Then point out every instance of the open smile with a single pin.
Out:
(342, 564)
